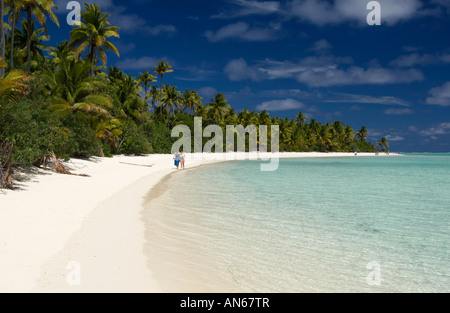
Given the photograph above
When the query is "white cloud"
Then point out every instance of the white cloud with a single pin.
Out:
(398, 111)
(201, 72)
(320, 71)
(242, 31)
(125, 47)
(248, 7)
(441, 129)
(207, 92)
(356, 75)
(281, 105)
(161, 29)
(238, 70)
(420, 59)
(139, 63)
(352, 98)
(440, 95)
(321, 46)
(394, 138)
(328, 12)
(323, 12)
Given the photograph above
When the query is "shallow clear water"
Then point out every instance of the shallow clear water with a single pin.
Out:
(311, 226)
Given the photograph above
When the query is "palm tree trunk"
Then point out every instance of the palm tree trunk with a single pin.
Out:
(91, 57)
(29, 39)
(2, 36)
(13, 28)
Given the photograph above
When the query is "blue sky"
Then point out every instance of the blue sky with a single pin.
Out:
(315, 56)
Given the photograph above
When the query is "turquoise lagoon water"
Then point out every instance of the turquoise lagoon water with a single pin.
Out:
(313, 225)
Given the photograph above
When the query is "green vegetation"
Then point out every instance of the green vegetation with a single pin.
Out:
(64, 101)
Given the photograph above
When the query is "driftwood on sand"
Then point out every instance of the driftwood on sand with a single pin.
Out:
(51, 162)
(59, 167)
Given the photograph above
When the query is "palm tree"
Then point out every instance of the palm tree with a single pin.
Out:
(264, 118)
(169, 99)
(146, 78)
(191, 100)
(161, 69)
(93, 34)
(285, 133)
(40, 9)
(155, 95)
(16, 6)
(324, 136)
(217, 108)
(128, 90)
(13, 84)
(362, 134)
(230, 117)
(73, 90)
(383, 143)
(62, 52)
(33, 43)
(301, 118)
(349, 135)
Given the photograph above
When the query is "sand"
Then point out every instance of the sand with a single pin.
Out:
(63, 233)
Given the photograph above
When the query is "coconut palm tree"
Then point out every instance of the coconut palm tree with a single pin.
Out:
(92, 34)
(155, 95)
(263, 118)
(146, 79)
(191, 100)
(383, 143)
(324, 136)
(128, 90)
(161, 69)
(285, 133)
(13, 84)
(73, 90)
(62, 52)
(34, 44)
(15, 8)
(170, 98)
(40, 9)
(349, 135)
(301, 118)
(362, 134)
(217, 108)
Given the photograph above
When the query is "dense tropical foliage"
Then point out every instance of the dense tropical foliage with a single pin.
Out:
(64, 100)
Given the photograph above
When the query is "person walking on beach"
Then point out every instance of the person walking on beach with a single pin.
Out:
(177, 159)
(183, 158)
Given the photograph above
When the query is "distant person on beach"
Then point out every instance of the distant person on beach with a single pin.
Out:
(183, 158)
(177, 158)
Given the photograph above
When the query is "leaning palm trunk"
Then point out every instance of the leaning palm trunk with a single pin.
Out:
(2, 36)
(6, 150)
(13, 28)
(29, 39)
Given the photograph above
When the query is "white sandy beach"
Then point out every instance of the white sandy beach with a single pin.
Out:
(96, 221)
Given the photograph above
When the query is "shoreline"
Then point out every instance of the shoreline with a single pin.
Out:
(45, 225)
